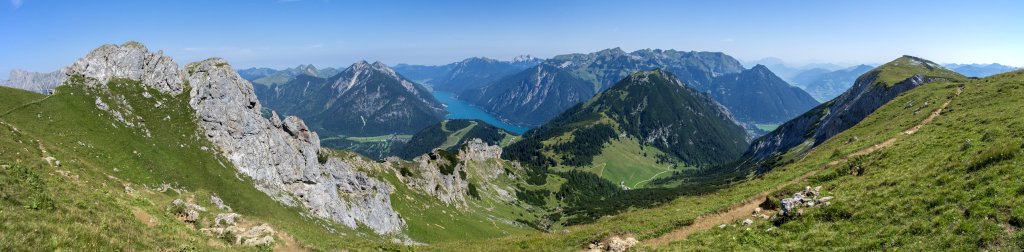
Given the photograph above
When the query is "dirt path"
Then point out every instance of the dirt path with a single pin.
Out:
(24, 105)
(745, 208)
(735, 212)
(637, 185)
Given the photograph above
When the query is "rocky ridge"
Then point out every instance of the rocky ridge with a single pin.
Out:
(871, 90)
(35, 82)
(280, 155)
(446, 175)
(129, 61)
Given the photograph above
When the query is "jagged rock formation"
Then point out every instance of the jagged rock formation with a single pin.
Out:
(871, 91)
(35, 82)
(446, 175)
(129, 61)
(280, 156)
(438, 174)
(478, 150)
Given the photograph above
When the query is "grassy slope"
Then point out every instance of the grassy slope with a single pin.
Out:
(454, 137)
(430, 220)
(650, 223)
(93, 211)
(955, 184)
(621, 160)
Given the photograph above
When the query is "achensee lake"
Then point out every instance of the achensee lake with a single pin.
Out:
(458, 109)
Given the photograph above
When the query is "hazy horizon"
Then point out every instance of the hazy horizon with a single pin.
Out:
(281, 34)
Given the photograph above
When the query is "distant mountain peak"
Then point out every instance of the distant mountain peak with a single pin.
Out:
(523, 58)
(915, 61)
(360, 64)
(613, 51)
(760, 68)
(478, 60)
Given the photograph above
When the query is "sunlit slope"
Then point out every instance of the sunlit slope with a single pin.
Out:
(84, 202)
(916, 189)
(953, 184)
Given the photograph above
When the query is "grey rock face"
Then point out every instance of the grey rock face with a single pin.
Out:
(472, 161)
(449, 188)
(477, 150)
(282, 155)
(35, 82)
(130, 61)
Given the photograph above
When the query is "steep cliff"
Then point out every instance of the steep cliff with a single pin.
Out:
(282, 157)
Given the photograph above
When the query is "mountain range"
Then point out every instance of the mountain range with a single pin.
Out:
(871, 90)
(704, 71)
(168, 156)
(362, 100)
(826, 85)
(41, 83)
(269, 77)
(465, 74)
(653, 108)
(980, 70)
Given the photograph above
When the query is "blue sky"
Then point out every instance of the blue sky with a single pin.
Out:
(41, 35)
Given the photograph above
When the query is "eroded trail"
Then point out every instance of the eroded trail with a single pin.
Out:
(5, 113)
(745, 208)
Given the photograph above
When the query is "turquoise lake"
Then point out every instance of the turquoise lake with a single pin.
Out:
(458, 109)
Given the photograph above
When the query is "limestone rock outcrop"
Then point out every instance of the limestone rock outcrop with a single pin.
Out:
(446, 175)
(129, 61)
(281, 156)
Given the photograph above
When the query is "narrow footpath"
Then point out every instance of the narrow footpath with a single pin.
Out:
(744, 208)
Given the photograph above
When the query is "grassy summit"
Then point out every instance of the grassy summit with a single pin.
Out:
(904, 67)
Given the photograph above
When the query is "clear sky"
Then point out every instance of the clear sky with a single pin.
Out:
(42, 35)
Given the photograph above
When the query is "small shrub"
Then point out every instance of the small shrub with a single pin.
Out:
(177, 209)
(229, 237)
(321, 157)
(449, 167)
(770, 203)
(405, 171)
(473, 192)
